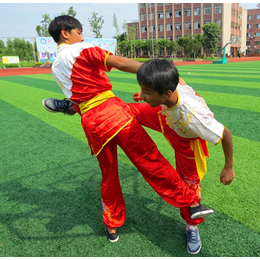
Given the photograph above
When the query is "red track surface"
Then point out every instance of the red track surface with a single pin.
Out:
(28, 71)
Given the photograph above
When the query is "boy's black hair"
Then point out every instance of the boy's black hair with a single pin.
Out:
(63, 22)
(161, 75)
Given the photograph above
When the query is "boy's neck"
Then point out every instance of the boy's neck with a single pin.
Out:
(172, 100)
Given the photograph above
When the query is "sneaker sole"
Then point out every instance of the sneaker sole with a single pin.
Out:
(202, 214)
(50, 110)
(194, 253)
(115, 240)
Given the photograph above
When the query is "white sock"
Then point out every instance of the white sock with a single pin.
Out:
(191, 227)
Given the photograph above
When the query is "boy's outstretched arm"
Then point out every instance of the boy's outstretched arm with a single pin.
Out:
(227, 174)
(123, 64)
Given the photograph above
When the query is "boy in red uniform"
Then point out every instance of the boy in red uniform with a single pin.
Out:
(79, 70)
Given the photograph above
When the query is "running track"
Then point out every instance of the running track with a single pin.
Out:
(28, 71)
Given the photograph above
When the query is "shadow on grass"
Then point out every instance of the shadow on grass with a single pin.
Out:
(66, 202)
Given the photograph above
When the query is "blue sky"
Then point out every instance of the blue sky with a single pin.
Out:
(20, 18)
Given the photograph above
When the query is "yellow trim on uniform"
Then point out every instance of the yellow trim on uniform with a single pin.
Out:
(97, 100)
(200, 158)
(114, 135)
(105, 61)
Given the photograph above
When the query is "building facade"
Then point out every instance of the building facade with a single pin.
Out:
(173, 20)
(253, 32)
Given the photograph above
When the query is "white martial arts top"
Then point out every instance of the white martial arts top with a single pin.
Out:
(191, 117)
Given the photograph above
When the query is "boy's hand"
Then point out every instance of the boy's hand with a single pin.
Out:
(182, 82)
(227, 175)
(137, 96)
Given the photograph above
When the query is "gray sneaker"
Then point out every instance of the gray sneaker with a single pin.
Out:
(59, 105)
(193, 240)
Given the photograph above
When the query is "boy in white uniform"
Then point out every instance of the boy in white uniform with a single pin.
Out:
(188, 124)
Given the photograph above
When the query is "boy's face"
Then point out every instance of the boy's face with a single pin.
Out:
(74, 36)
(152, 97)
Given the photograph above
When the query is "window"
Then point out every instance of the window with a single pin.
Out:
(248, 43)
(168, 27)
(143, 29)
(159, 4)
(143, 5)
(151, 16)
(177, 13)
(207, 9)
(152, 28)
(160, 27)
(161, 52)
(151, 5)
(160, 15)
(258, 16)
(177, 37)
(178, 26)
(257, 34)
(257, 42)
(249, 26)
(256, 51)
(187, 26)
(249, 17)
(168, 14)
(217, 9)
(144, 39)
(207, 21)
(218, 22)
(196, 10)
(258, 25)
(169, 38)
(248, 34)
(196, 24)
(187, 12)
(143, 17)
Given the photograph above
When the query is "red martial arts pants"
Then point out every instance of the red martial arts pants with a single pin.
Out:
(184, 155)
(156, 170)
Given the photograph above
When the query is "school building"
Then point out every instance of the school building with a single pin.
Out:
(173, 20)
(253, 32)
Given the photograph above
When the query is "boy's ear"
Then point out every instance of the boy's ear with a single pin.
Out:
(168, 93)
(64, 34)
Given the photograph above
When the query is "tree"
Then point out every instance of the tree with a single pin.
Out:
(42, 30)
(211, 37)
(173, 46)
(138, 46)
(186, 42)
(70, 12)
(115, 24)
(197, 44)
(2, 47)
(9, 50)
(96, 24)
(162, 43)
(131, 34)
(124, 47)
(124, 26)
(150, 45)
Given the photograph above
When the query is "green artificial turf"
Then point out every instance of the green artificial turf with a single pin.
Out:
(50, 184)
